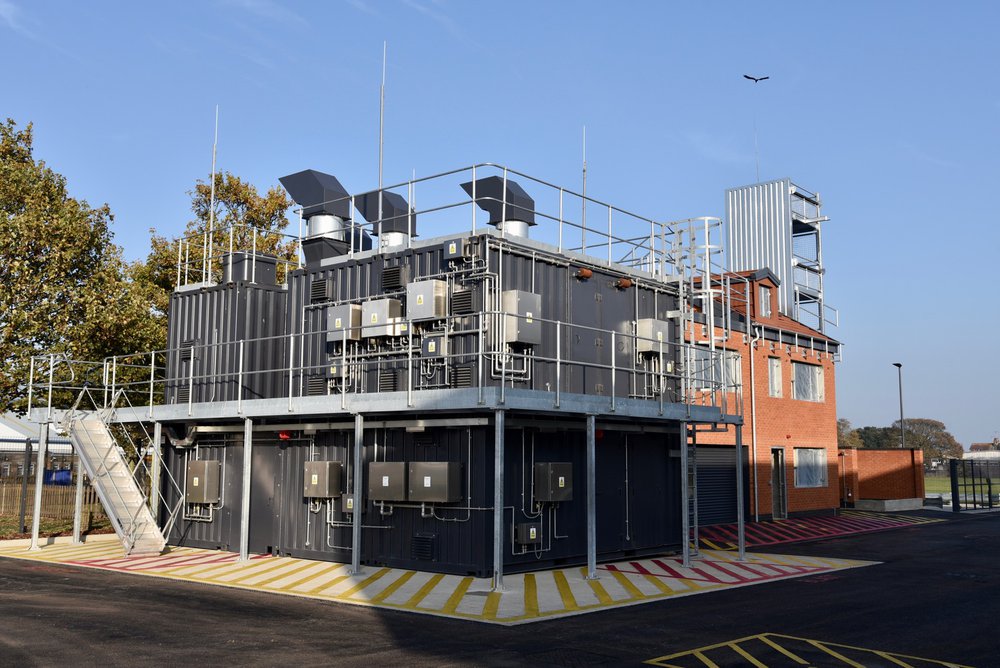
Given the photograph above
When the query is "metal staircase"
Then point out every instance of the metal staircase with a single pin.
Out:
(116, 487)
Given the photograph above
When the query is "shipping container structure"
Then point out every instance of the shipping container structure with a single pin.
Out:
(510, 389)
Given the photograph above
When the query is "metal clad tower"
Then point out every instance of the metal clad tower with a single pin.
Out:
(776, 224)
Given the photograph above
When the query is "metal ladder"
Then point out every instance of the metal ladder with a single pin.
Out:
(692, 500)
(115, 484)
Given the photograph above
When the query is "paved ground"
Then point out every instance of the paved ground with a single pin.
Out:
(934, 597)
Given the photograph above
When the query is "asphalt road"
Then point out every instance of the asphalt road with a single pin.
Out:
(936, 596)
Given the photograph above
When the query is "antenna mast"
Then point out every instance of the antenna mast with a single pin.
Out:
(381, 130)
(583, 226)
(211, 202)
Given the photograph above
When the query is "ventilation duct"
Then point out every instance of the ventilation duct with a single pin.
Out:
(398, 222)
(326, 207)
(511, 210)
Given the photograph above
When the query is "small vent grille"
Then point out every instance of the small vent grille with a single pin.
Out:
(316, 385)
(422, 546)
(461, 302)
(461, 376)
(387, 380)
(319, 291)
(393, 278)
(183, 394)
(187, 349)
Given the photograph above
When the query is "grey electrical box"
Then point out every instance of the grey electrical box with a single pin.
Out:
(203, 481)
(553, 482)
(345, 504)
(426, 300)
(253, 267)
(521, 325)
(341, 319)
(387, 481)
(457, 249)
(321, 480)
(436, 482)
(527, 533)
(434, 346)
(380, 317)
(651, 332)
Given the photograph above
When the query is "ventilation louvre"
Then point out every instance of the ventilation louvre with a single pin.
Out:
(316, 386)
(187, 349)
(183, 394)
(320, 290)
(394, 278)
(422, 546)
(461, 376)
(462, 302)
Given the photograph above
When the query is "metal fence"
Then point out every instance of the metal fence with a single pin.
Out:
(974, 484)
(57, 500)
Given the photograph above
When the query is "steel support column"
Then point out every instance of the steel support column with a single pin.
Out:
(498, 443)
(359, 447)
(245, 490)
(156, 452)
(78, 502)
(43, 444)
(591, 498)
(685, 501)
(740, 520)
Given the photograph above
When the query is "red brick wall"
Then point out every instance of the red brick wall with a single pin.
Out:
(888, 474)
(786, 423)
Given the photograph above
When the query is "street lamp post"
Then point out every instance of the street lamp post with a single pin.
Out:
(902, 433)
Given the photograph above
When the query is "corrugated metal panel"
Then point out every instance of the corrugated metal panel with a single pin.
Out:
(759, 233)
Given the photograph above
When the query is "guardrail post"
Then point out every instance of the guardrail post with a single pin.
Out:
(591, 498)
(956, 504)
(359, 447)
(245, 495)
(498, 511)
(78, 502)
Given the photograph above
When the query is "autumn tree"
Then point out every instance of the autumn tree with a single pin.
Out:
(931, 436)
(877, 437)
(66, 289)
(847, 437)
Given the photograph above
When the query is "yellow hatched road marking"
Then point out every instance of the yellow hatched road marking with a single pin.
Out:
(281, 576)
(297, 582)
(391, 589)
(742, 652)
(658, 583)
(834, 654)
(896, 661)
(457, 596)
(705, 660)
(794, 657)
(196, 569)
(569, 601)
(530, 596)
(237, 577)
(423, 591)
(319, 589)
(492, 605)
(364, 583)
(623, 580)
(598, 588)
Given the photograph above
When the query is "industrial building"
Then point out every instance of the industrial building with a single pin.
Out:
(511, 376)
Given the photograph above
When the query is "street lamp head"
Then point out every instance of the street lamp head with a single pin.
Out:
(898, 365)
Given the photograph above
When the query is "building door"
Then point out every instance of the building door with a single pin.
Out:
(779, 491)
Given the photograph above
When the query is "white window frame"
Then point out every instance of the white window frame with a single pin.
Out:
(764, 296)
(774, 377)
(810, 468)
(808, 382)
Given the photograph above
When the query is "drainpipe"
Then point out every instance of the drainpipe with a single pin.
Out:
(753, 423)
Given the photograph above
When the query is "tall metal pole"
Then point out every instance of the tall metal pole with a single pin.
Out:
(211, 200)
(381, 130)
(43, 442)
(756, 151)
(245, 490)
(902, 431)
(740, 519)
(591, 498)
(24, 486)
(685, 501)
(359, 447)
(498, 443)
(156, 455)
(78, 504)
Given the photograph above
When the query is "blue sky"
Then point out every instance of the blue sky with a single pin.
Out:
(889, 110)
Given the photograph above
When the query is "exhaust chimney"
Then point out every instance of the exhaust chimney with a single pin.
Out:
(399, 222)
(326, 206)
(519, 213)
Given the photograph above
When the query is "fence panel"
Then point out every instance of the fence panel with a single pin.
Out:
(57, 500)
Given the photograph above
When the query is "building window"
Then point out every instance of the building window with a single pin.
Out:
(5, 469)
(810, 467)
(765, 302)
(807, 382)
(774, 376)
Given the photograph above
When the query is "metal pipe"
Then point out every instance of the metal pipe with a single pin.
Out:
(78, 503)
(31, 382)
(52, 366)
(685, 501)
(591, 498)
(902, 431)
(613, 371)
(291, 365)
(558, 363)
(157, 462)
(22, 525)
(740, 520)
(245, 498)
(498, 456)
(359, 444)
(211, 201)
(36, 516)
(753, 425)
(239, 381)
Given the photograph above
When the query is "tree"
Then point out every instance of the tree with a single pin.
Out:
(66, 289)
(846, 436)
(931, 436)
(877, 437)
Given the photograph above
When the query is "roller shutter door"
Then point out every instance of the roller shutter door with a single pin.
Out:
(717, 485)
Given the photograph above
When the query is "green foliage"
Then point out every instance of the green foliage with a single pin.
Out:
(878, 437)
(931, 436)
(846, 436)
(66, 288)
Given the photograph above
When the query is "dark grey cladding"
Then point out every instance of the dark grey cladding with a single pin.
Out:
(490, 197)
(397, 216)
(318, 193)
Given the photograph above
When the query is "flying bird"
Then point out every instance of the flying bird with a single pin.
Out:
(755, 79)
